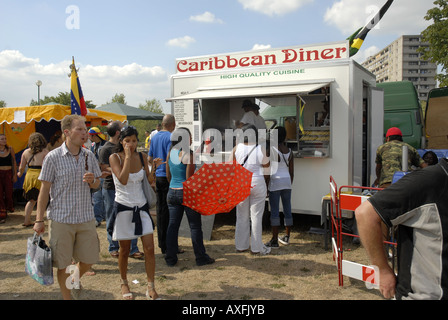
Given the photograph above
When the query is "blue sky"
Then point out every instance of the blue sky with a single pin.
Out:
(130, 46)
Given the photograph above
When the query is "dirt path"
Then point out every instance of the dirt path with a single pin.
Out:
(301, 271)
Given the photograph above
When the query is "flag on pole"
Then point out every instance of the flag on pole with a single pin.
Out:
(357, 38)
(301, 106)
(77, 99)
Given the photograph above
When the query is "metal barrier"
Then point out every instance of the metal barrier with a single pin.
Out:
(348, 201)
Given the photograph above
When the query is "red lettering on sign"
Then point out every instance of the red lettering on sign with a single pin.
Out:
(242, 61)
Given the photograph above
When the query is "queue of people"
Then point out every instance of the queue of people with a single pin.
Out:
(71, 175)
(63, 183)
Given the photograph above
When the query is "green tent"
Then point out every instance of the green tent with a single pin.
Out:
(131, 113)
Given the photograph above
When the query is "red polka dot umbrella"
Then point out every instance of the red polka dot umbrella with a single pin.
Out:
(217, 188)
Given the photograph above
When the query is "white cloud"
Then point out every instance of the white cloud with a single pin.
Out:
(401, 18)
(182, 42)
(206, 17)
(14, 59)
(273, 7)
(99, 83)
(363, 54)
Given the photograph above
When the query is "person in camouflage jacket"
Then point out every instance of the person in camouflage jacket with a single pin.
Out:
(389, 157)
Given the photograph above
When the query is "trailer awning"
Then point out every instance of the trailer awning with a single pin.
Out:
(257, 91)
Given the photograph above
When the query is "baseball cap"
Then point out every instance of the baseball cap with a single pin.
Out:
(394, 131)
(94, 131)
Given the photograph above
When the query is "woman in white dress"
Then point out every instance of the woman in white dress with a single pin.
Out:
(131, 211)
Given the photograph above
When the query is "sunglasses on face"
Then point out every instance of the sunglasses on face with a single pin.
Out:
(131, 127)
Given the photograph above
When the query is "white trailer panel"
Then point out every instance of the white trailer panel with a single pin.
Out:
(206, 96)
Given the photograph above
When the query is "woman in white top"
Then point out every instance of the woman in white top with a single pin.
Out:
(249, 213)
(282, 175)
(132, 219)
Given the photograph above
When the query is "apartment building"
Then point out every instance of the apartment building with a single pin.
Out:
(400, 61)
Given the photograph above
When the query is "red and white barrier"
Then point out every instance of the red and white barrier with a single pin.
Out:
(346, 201)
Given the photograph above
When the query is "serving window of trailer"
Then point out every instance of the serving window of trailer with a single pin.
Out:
(302, 108)
(306, 118)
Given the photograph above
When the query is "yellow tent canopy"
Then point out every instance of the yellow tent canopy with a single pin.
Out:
(27, 117)
(53, 112)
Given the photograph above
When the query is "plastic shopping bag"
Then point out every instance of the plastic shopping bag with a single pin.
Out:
(38, 261)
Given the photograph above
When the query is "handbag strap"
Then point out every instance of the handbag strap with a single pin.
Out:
(247, 157)
(143, 162)
(283, 156)
(141, 159)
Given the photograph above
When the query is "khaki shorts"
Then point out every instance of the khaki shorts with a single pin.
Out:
(78, 242)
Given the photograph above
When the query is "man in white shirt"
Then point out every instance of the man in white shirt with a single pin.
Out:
(251, 115)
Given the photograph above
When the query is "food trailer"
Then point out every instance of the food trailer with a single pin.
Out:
(335, 129)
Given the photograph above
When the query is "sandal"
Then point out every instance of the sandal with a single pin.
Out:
(151, 287)
(129, 295)
(137, 255)
(114, 254)
(90, 272)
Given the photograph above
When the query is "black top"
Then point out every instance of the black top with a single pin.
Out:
(418, 205)
(103, 158)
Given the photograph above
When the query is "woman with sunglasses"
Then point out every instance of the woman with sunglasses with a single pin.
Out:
(131, 212)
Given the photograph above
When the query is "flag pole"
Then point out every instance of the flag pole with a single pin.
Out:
(356, 40)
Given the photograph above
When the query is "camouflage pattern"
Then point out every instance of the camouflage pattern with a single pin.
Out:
(389, 156)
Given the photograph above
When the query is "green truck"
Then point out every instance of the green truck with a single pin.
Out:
(402, 109)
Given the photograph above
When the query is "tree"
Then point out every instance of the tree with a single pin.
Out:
(152, 105)
(2, 104)
(63, 98)
(437, 36)
(120, 98)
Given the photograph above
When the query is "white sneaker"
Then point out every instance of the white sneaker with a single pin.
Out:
(284, 240)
